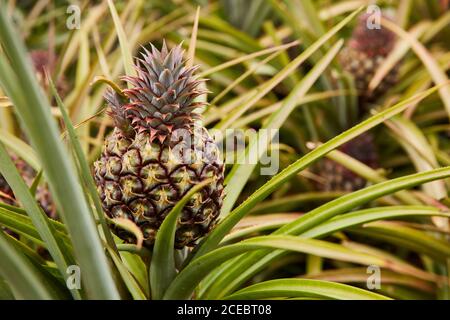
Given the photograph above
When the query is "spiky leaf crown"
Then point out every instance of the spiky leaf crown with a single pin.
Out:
(161, 97)
(373, 41)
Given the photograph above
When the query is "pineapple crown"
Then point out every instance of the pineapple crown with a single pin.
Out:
(118, 113)
(374, 41)
(161, 96)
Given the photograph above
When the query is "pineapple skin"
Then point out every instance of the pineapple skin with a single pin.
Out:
(363, 67)
(6, 194)
(158, 151)
(44, 61)
(28, 174)
(363, 55)
(338, 178)
(142, 180)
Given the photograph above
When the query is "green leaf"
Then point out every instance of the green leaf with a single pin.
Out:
(84, 167)
(5, 291)
(22, 224)
(130, 281)
(17, 225)
(137, 267)
(19, 82)
(228, 64)
(124, 46)
(368, 215)
(437, 74)
(162, 267)
(292, 202)
(359, 275)
(407, 238)
(48, 272)
(20, 148)
(237, 214)
(304, 288)
(40, 220)
(242, 171)
(23, 279)
(20, 215)
(250, 264)
(291, 67)
(352, 219)
(185, 283)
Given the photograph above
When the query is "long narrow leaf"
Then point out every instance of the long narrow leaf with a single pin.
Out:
(242, 171)
(45, 229)
(304, 288)
(84, 167)
(22, 277)
(184, 284)
(256, 261)
(162, 268)
(16, 77)
(237, 214)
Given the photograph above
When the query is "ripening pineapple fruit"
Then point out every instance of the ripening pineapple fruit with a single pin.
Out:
(364, 53)
(28, 174)
(336, 177)
(158, 151)
(43, 61)
(6, 194)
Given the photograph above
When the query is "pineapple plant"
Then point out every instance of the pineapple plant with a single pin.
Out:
(336, 177)
(134, 173)
(6, 194)
(43, 61)
(158, 151)
(28, 174)
(364, 53)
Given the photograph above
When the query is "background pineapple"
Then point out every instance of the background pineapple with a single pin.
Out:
(243, 66)
(335, 177)
(156, 152)
(28, 174)
(364, 53)
(6, 194)
(44, 60)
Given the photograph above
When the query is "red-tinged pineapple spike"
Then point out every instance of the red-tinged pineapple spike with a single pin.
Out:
(162, 94)
(118, 113)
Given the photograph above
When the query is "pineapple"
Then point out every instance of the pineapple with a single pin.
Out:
(28, 174)
(364, 54)
(43, 60)
(338, 178)
(6, 194)
(158, 151)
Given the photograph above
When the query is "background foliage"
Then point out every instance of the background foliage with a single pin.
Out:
(271, 65)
